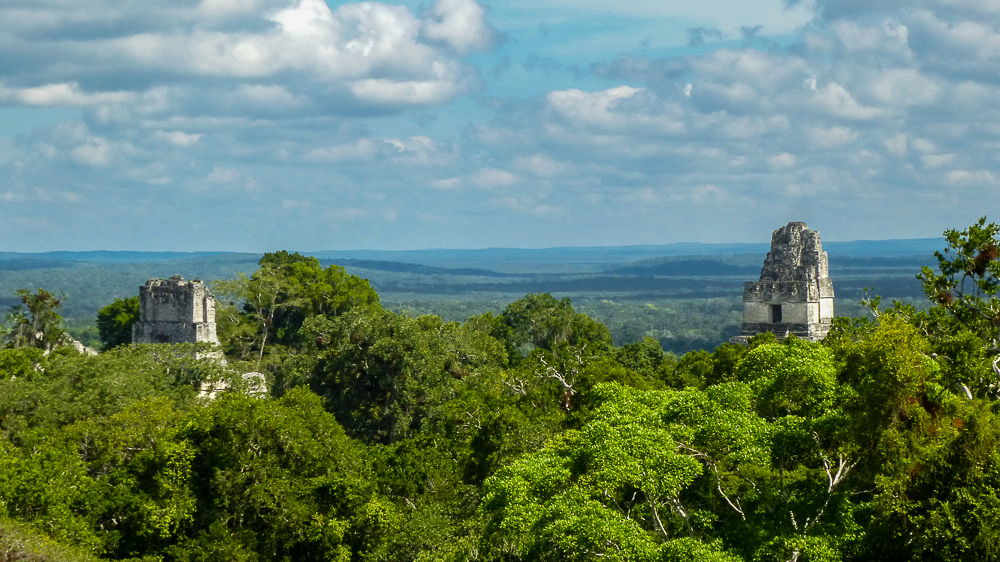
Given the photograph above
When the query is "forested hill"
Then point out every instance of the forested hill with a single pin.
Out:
(521, 258)
(528, 259)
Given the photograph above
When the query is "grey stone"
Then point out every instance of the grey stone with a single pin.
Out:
(794, 295)
(178, 311)
(175, 311)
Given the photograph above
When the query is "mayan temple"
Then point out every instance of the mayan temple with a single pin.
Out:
(175, 311)
(794, 295)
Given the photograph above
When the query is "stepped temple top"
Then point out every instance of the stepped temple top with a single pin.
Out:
(794, 295)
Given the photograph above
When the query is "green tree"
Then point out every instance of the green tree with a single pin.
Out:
(539, 320)
(114, 322)
(41, 325)
(965, 314)
(283, 293)
(968, 277)
(382, 373)
(615, 488)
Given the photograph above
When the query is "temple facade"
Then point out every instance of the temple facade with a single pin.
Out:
(794, 295)
(175, 311)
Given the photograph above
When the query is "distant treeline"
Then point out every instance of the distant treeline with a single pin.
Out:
(453, 282)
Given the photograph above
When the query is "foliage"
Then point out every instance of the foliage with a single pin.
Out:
(114, 322)
(612, 489)
(524, 434)
(968, 277)
(18, 542)
(280, 296)
(40, 325)
(541, 321)
(381, 373)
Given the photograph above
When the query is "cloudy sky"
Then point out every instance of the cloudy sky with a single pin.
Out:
(254, 125)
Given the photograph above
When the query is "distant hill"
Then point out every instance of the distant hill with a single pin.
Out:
(402, 267)
(487, 261)
(101, 256)
(689, 268)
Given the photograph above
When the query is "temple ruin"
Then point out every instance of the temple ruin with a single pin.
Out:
(175, 311)
(794, 295)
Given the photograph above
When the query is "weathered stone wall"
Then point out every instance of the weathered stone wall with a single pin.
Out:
(795, 279)
(175, 311)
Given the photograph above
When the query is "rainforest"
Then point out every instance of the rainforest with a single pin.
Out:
(525, 431)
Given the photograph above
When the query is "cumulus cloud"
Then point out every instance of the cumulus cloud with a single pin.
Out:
(418, 151)
(340, 114)
(489, 178)
(461, 24)
(61, 95)
(95, 152)
(294, 53)
(888, 101)
(616, 109)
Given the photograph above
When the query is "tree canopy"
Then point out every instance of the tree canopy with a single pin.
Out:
(519, 436)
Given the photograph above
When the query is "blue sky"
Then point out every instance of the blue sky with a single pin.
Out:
(254, 125)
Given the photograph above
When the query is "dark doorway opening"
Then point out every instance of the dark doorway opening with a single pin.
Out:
(776, 313)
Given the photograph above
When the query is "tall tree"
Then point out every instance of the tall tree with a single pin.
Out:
(287, 289)
(41, 325)
(114, 322)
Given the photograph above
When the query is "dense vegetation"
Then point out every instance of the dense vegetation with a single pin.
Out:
(521, 434)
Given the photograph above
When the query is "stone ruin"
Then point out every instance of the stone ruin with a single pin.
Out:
(175, 311)
(178, 311)
(794, 295)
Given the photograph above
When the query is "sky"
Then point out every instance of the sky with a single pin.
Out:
(257, 125)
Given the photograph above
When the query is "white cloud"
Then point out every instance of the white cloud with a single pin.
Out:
(222, 176)
(96, 151)
(289, 54)
(260, 96)
(827, 138)
(459, 23)
(776, 16)
(362, 149)
(708, 195)
(447, 183)
(896, 144)
(179, 138)
(388, 92)
(489, 178)
(347, 214)
(616, 109)
(645, 196)
(923, 146)
(60, 95)
(410, 151)
(970, 178)
(782, 161)
(890, 37)
(935, 161)
(546, 210)
(902, 87)
(835, 100)
(540, 165)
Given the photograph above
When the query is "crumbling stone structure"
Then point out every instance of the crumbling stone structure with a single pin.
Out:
(794, 295)
(175, 311)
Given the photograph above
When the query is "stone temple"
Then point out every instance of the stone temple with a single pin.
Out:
(175, 311)
(794, 295)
